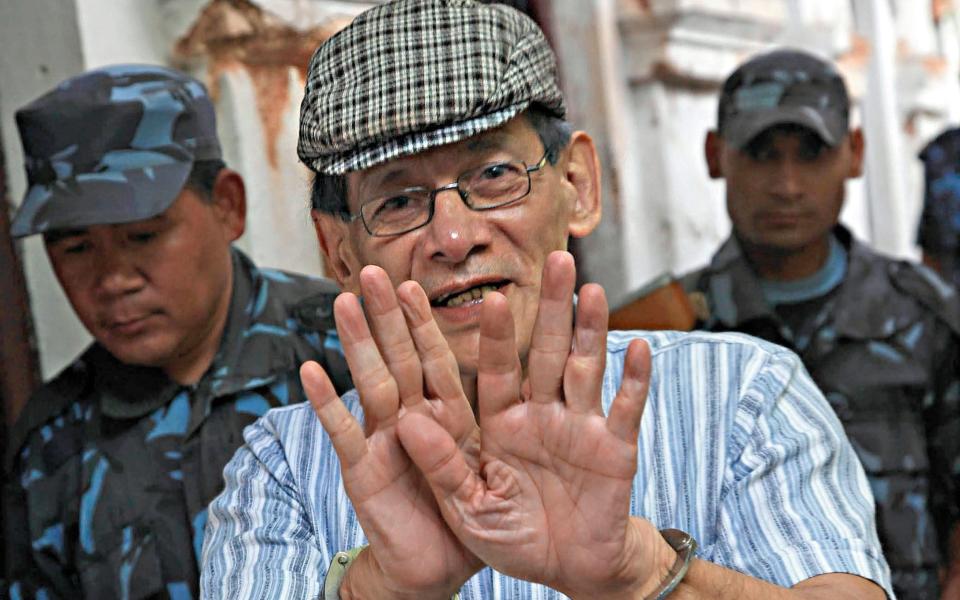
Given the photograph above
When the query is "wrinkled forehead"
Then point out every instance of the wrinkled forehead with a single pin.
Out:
(514, 140)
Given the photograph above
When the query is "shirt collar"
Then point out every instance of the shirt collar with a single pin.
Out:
(737, 297)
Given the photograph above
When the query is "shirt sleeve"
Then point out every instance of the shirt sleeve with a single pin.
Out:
(797, 503)
(33, 567)
(259, 542)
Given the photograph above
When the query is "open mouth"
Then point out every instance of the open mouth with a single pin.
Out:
(468, 296)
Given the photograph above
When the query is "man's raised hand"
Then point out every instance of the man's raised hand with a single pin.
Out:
(549, 499)
(412, 553)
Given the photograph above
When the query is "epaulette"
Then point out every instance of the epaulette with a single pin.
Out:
(924, 285)
(315, 313)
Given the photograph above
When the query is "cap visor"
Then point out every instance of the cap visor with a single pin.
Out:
(105, 198)
(741, 129)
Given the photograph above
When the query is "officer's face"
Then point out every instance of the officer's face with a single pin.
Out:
(785, 189)
(154, 292)
(461, 252)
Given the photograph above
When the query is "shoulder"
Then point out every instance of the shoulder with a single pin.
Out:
(698, 345)
(724, 373)
(734, 371)
(923, 285)
(50, 409)
(296, 430)
(308, 300)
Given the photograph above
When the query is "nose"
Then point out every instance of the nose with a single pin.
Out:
(117, 273)
(456, 232)
(788, 184)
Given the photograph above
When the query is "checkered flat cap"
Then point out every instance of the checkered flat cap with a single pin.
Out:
(410, 75)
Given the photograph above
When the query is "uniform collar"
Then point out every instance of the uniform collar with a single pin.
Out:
(737, 298)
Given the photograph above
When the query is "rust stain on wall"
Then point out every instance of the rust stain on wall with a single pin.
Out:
(238, 34)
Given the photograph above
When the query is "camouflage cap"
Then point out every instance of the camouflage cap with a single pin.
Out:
(783, 87)
(410, 75)
(113, 145)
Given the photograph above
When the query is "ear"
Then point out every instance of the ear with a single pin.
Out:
(581, 169)
(229, 199)
(712, 149)
(855, 139)
(333, 237)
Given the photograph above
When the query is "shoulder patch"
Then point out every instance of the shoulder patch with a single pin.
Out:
(315, 313)
(924, 285)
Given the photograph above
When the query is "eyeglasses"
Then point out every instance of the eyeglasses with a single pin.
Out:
(483, 188)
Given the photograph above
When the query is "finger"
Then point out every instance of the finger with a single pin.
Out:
(498, 366)
(375, 385)
(438, 457)
(627, 408)
(390, 332)
(553, 329)
(583, 376)
(441, 373)
(348, 439)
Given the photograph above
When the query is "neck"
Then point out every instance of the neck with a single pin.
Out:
(787, 265)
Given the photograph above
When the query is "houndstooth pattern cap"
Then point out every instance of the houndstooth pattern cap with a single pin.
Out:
(410, 75)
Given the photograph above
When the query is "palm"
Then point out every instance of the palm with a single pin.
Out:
(566, 477)
(413, 547)
(549, 499)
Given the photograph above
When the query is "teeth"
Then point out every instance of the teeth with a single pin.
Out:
(469, 296)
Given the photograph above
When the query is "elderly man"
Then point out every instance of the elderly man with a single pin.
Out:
(878, 336)
(487, 451)
(114, 461)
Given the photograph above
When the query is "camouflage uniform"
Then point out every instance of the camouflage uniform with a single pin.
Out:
(939, 230)
(112, 466)
(883, 348)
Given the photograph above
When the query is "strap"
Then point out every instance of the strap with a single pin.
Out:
(338, 570)
(684, 545)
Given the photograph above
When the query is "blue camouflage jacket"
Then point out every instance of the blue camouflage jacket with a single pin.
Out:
(883, 347)
(111, 467)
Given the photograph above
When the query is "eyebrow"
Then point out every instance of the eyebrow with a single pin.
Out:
(492, 141)
(58, 235)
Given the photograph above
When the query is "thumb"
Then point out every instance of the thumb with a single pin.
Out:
(438, 457)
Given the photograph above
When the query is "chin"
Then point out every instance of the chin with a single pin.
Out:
(141, 354)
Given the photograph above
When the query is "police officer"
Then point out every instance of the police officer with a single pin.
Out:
(879, 336)
(939, 231)
(114, 461)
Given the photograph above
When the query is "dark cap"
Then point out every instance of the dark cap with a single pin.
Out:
(783, 87)
(410, 75)
(114, 145)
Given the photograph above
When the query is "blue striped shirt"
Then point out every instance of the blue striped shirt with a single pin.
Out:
(737, 447)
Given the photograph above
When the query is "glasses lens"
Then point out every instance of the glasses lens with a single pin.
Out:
(396, 213)
(495, 184)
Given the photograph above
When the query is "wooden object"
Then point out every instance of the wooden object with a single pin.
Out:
(662, 304)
